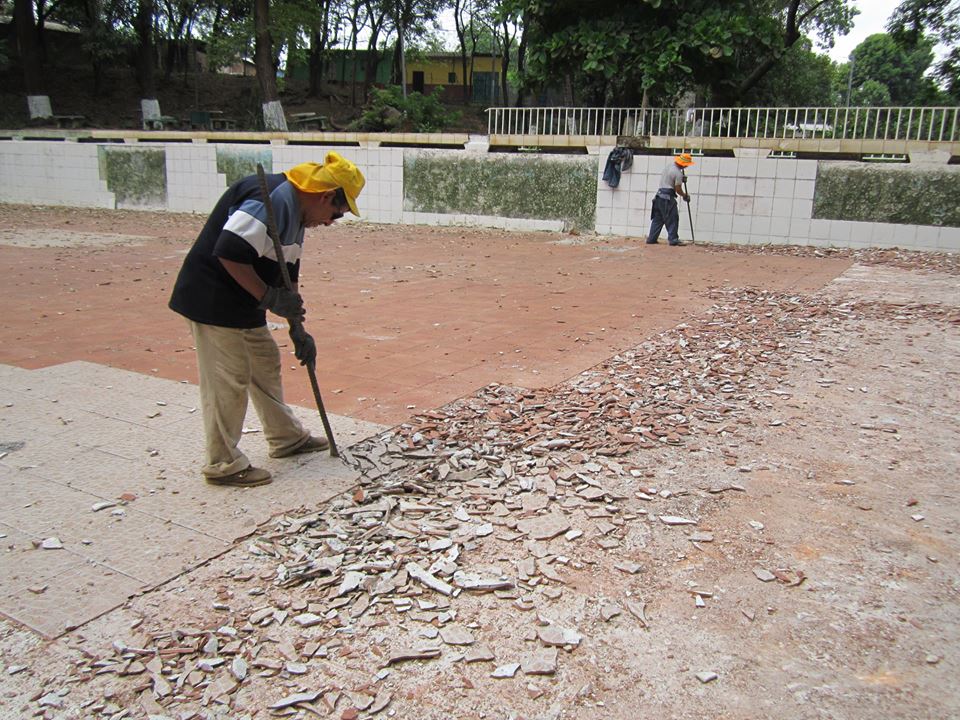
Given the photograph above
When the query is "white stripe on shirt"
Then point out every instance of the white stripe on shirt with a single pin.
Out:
(253, 231)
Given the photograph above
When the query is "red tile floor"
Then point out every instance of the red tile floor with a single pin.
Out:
(403, 315)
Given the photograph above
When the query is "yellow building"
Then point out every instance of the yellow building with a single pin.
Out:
(446, 70)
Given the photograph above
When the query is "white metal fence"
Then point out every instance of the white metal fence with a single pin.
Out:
(930, 124)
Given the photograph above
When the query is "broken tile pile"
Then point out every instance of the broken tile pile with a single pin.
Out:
(548, 480)
(928, 260)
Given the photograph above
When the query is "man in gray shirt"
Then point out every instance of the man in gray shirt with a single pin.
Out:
(664, 210)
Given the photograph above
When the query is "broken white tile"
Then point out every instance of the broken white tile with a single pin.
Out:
(764, 575)
(608, 611)
(431, 581)
(455, 635)
(540, 662)
(478, 653)
(484, 530)
(506, 671)
(306, 619)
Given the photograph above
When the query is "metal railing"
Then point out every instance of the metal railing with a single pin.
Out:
(927, 124)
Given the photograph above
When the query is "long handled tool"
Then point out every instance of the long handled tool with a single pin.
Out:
(294, 324)
(693, 238)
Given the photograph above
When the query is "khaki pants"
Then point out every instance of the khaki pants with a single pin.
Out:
(233, 364)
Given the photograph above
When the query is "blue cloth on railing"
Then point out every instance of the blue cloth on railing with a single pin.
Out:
(619, 160)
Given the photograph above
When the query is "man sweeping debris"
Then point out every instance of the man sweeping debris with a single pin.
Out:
(228, 281)
(664, 210)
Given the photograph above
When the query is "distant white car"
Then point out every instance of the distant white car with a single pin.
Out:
(813, 128)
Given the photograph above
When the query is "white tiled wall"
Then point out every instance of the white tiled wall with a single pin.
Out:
(193, 183)
(382, 197)
(748, 200)
(735, 200)
(68, 173)
(52, 173)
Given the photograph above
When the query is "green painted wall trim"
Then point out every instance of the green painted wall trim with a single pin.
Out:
(529, 186)
(902, 194)
(238, 163)
(136, 176)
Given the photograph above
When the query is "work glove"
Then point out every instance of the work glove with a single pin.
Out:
(303, 345)
(686, 198)
(283, 302)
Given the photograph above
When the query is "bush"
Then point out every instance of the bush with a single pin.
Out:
(388, 111)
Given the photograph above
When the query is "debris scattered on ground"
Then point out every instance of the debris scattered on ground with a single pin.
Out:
(512, 497)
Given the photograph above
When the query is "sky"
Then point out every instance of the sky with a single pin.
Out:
(872, 19)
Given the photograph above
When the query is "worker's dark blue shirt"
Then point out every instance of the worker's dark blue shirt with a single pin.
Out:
(237, 230)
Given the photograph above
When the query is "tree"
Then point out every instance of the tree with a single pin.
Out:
(461, 16)
(897, 67)
(38, 102)
(145, 66)
(410, 19)
(795, 18)
(913, 20)
(273, 117)
(377, 17)
(871, 93)
(624, 52)
(101, 40)
(802, 78)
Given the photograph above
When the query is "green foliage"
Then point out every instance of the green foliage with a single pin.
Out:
(889, 194)
(898, 68)
(915, 20)
(871, 93)
(525, 186)
(235, 40)
(102, 43)
(388, 111)
(802, 78)
(136, 176)
(617, 50)
(238, 163)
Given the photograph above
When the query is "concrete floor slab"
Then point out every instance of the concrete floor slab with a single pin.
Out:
(70, 599)
(80, 434)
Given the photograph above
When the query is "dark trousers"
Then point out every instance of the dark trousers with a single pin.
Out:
(664, 212)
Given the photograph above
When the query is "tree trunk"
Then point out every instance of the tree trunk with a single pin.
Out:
(353, 70)
(38, 102)
(458, 9)
(790, 36)
(41, 17)
(316, 64)
(504, 99)
(372, 61)
(273, 117)
(521, 64)
(354, 32)
(568, 98)
(145, 68)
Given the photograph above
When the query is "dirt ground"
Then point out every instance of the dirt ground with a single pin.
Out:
(708, 482)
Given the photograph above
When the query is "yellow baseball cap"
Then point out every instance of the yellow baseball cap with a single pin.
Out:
(684, 160)
(335, 172)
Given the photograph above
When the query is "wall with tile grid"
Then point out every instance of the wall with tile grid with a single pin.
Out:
(751, 200)
(73, 174)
